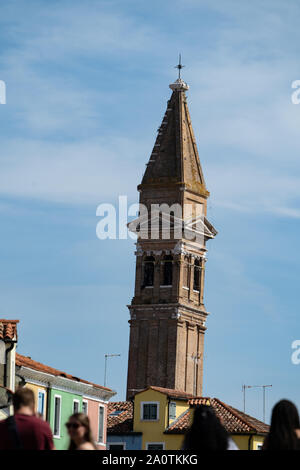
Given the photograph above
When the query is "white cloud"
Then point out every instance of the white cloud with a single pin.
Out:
(239, 100)
(75, 29)
(81, 172)
(287, 212)
(51, 54)
(247, 188)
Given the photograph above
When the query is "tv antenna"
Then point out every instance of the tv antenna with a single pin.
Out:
(105, 367)
(264, 397)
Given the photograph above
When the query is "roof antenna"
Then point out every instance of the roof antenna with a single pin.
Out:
(179, 67)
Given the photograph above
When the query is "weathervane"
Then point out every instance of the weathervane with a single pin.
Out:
(179, 66)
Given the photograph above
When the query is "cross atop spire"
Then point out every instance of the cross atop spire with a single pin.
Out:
(179, 84)
(179, 67)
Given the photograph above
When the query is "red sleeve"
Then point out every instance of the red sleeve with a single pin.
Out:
(48, 437)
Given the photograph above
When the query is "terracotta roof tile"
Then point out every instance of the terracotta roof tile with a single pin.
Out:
(120, 417)
(233, 420)
(23, 361)
(254, 424)
(181, 424)
(8, 329)
(170, 392)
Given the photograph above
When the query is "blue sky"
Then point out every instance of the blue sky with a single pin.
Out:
(87, 86)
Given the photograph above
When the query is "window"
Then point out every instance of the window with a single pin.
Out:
(149, 271)
(57, 406)
(116, 413)
(101, 424)
(85, 407)
(172, 410)
(155, 446)
(150, 411)
(41, 402)
(197, 269)
(186, 273)
(168, 271)
(117, 446)
(75, 406)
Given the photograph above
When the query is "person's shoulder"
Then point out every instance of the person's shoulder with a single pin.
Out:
(43, 425)
(86, 446)
(43, 429)
(33, 421)
(19, 417)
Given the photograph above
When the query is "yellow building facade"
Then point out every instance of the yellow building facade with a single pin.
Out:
(248, 442)
(163, 416)
(153, 430)
(40, 398)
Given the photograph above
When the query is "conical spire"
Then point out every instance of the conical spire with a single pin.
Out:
(174, 158)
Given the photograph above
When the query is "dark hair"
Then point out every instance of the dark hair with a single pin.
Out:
(23, 397)
(83, 419)
(284, 422)
(206, 431)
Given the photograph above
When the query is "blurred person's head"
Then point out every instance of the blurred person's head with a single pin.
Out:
(79, 430)
(23, 400)
(206, 431)
(284, 423)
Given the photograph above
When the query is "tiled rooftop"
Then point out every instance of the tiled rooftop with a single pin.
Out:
(24, 361)
(120, 417)
(233, 420)
(171, 393)
(180, 424)
(8, 329)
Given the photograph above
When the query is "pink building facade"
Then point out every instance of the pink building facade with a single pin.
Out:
(96, 410)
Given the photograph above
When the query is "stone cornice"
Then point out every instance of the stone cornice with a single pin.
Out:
(175, 307)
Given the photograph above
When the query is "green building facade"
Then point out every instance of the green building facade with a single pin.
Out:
(59, 395)
(62, 405)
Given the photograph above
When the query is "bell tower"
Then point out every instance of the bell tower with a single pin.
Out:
(167, 312)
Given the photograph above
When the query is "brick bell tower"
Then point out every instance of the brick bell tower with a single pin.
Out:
(167, 313)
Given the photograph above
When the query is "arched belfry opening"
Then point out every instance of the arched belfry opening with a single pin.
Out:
(148, 279)
(168, 270)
